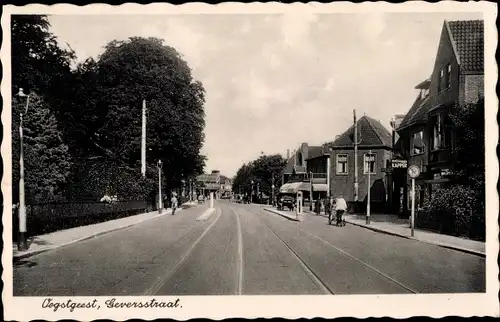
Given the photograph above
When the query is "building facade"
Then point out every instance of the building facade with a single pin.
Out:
(214, 182)
(306, 165)
(426, 134)
(373, 156)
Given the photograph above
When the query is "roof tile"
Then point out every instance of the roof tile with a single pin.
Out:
(370, 132)
(468, 37)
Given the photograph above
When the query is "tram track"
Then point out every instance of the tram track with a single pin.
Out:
(162, 280)
(325, 289)
(337, 249)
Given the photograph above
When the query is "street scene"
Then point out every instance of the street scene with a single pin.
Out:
(266, 154)
(242, 249)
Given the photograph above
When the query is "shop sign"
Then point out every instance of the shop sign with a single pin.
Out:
(399, 164)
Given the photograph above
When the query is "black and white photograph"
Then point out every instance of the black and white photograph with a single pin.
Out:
(249, 160)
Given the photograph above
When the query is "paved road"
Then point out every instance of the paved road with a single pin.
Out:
(242, 249)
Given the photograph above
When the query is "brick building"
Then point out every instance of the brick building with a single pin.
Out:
(374, 154)
(426, 135)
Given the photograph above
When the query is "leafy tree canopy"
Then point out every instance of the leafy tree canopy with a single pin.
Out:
(468, 123)
(261, 171)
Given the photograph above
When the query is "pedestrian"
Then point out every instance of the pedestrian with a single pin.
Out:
(340, 209)
(174, 202)
(331, 210)
(317, 207)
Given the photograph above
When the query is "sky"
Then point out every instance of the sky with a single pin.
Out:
(274, 81)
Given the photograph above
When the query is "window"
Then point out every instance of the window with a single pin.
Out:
(418, 145)
(341, 163)
(447, 76)
(440, 81)
(369, 164)
(438, 137)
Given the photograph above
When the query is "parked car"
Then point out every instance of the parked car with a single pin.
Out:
(286, 202)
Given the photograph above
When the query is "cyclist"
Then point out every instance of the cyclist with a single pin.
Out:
(341, 208)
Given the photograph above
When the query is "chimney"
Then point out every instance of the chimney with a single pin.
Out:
(288, 154)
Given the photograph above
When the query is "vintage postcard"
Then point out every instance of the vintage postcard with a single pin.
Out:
(249, 160)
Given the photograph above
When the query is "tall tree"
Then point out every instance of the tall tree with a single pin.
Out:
(38, 62)
(46, 157)
(41, 67)
(261, 171)
(111, 100)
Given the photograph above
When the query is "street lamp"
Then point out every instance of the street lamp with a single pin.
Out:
(190, 190)
(251, 193)
(22, 243)
(272, 189)
(160, 203)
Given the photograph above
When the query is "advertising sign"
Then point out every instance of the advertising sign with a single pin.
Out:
(399, 164)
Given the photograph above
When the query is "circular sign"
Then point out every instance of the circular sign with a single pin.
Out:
(413, 171)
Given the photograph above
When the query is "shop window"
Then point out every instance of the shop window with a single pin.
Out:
(341, 163)
(418, 145)
(369, 163)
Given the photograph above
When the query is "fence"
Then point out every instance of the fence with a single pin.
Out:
(446, 222)
(49, 217)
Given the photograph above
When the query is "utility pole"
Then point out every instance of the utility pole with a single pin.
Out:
(328, 175)
(355, 158)
(143, 140)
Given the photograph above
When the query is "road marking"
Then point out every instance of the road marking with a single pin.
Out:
(360, 261)
(324, 288)
(239, 271)
(161, 281)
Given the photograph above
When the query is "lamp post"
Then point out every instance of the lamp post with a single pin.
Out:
(368, 201)
(258, 192)
(310, 190)
(190, 190)
(251, 192)
(160, 201)
(22, 243)
(272, 189)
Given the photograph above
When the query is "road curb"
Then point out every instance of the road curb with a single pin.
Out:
(448, 246)
(36, 252)
(278, 213)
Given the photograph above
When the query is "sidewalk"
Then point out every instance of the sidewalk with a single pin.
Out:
(43, 243)
(401, 228)
(291, 215)
(390, 224)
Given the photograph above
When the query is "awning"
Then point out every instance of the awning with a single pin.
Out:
(290, 187)
(323, 187)
(294, 187)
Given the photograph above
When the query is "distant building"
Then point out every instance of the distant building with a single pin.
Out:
(214, 182)
(427, 139)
